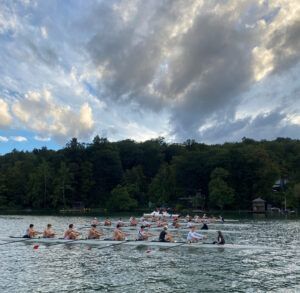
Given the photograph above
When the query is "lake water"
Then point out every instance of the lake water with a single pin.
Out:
(79, 268)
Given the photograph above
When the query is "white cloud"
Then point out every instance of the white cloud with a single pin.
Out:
(9, 21)
(3, 139)
(5, 117)
(39, 112)
(40, 138)
(18, 138)
(44, 32)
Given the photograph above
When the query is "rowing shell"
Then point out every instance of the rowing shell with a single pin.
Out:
(125, 228)
(132, 243)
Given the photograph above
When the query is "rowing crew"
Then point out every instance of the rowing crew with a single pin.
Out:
(119, 235)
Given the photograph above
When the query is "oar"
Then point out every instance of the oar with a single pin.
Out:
(114, 244)
(15, 241)
(182, 243)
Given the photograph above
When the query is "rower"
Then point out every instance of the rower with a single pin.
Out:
(95, 222)
(164, 236)
(190, 223)
(204, 227)
(94, 233)
(119, 235)
(30, 232)
(120, 222)
(107, 222)
(48, 232)
(221, 219)
(146, 224)
(143, 235)
(194, 236)
(133, 221)
(220, 239)
(71, 233)
(176, 223)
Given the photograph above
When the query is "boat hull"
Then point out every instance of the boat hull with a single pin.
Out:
(127, 243)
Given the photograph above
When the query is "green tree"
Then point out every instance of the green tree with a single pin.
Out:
(220, 194)
(120, 199)
(162, 188)
(62, 186)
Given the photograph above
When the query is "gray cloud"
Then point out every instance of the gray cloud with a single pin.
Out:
(188, 64)
(198, 72)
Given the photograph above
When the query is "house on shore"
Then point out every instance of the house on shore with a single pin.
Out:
(258, 205)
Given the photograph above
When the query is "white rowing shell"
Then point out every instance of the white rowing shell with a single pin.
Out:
(131, 243)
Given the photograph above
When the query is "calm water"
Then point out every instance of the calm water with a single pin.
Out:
(78, 268)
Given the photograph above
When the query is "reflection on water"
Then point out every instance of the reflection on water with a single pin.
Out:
(80, 268)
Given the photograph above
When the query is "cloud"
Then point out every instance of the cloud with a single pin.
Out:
(39, 112)
(3, 139)
(209, 70)
(18, 138)
(192, 57)
(5, 116)
(40, 138)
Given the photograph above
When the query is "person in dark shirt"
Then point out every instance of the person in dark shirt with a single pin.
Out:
(204, 227)
(164, 236)
(220, 239)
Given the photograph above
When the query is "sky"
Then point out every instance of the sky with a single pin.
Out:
(213, 71)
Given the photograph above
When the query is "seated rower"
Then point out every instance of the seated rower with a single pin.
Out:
(176, 224)
(159, 223)
(204, 227)
(30, 232)
(143, 235)
(119, 235)
(107, 222)
(194, 236)
(48, 232)
(220, 239)
(164, 236)
(71, 233)
(190, 224)
(120, 222)
(221, 219)
(95, 222)
(133, 221)
(94, 233)
(146, 224)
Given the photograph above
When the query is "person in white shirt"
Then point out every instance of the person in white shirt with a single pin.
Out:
(190, 224)
(193, 236)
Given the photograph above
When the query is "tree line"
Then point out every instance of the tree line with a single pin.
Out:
(126, 175)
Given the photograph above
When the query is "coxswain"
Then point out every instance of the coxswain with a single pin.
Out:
(164, 236)
(204, 227)
(118, 234)
(48, 232)
(220, 239)
(194, 236)
(107, 222)
(143, 235)
(94, 233)
(71, 233)
(30, 232)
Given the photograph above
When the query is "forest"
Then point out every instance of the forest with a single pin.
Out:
(127, 175)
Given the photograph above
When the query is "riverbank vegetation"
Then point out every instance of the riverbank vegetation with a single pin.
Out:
(126, 175)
